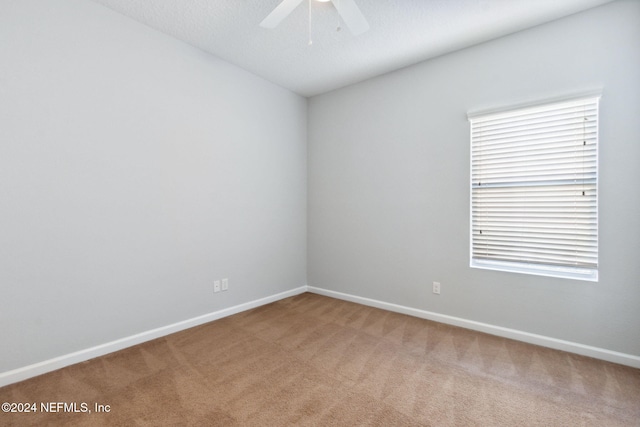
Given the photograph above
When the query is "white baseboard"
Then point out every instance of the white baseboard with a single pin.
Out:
(56, 363)
(50, 365)
(585, 350)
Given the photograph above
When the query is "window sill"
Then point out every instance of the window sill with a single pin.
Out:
(585, 274)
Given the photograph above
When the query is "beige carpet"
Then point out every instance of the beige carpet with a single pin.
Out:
(317, 361)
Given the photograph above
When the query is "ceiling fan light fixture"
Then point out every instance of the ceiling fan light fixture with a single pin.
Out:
(347, 9)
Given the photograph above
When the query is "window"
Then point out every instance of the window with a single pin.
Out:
(534, 190)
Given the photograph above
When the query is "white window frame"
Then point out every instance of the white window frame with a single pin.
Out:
(503, 253)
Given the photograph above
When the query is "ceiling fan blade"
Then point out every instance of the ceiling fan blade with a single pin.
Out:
(351, 16)
(279, 13)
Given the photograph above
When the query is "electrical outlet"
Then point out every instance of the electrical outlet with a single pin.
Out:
(216, 286)
(436, 288)
(225, 284)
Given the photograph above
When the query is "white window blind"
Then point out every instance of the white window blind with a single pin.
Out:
(534, 188)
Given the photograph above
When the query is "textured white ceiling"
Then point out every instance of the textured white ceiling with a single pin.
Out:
(403, 32)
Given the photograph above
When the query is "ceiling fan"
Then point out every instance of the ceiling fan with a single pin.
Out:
(347, 9)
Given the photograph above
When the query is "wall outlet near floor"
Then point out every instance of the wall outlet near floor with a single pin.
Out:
(436, 288)
(225, 284)
(216, 286)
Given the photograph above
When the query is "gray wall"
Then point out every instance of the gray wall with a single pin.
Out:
(388, 178)
(135, 170)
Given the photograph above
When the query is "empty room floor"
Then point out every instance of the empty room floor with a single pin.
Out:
(317, 361)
